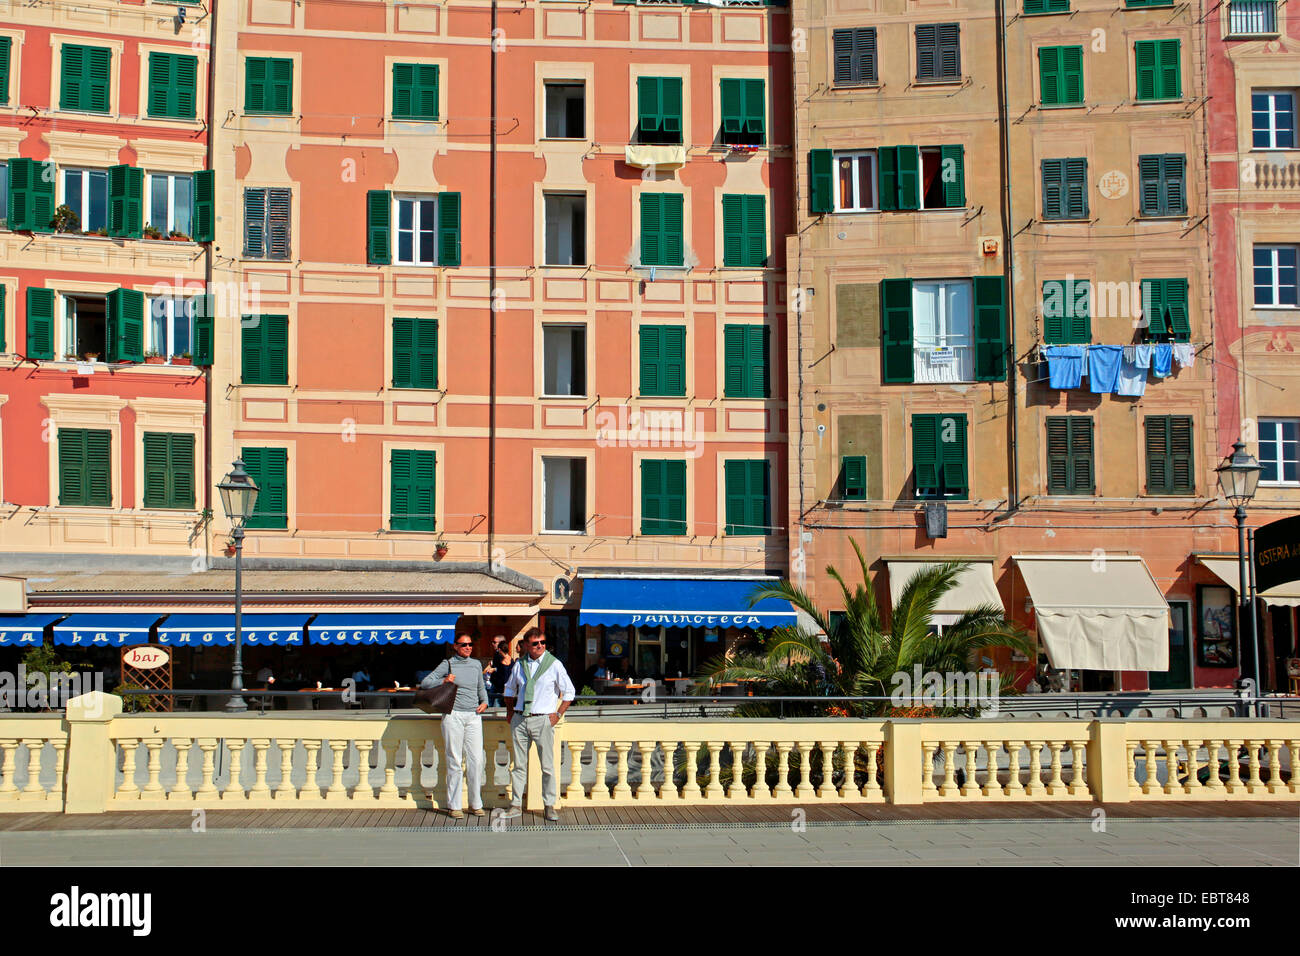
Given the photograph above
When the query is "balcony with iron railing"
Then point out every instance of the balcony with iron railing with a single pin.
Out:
(1252, 18)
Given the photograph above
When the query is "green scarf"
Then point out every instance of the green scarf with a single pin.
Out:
(530, 683)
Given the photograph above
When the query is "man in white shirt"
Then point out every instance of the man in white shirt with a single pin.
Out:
(536, 696)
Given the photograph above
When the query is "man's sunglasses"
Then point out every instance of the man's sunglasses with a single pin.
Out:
(464, 643)
(537, 643)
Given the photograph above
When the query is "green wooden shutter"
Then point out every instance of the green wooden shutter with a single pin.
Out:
(426, 91)
(1150, 191)
(448, 229)
(159, 99)
(203, 206)
(733, 361)
(756, 361)
(255, 89)
(951, 452)
(4, 317)
(1176, 310)
(670, 105)
(952, 166)
(896, 329)
(1183, 470)
(1153, 308)
(280, 85)
(909, 177)
(887, 177)
(1058, 456)
(173, 85)
(1071, 75)
(99, 479)
(403, 90)
(755, 106)
(662, 360)
(1076, 188)
(854, 470)
(651, 346)
(755, 215)
(731, 97)
(415, 91)
(6, 44)
(1144, 57)
(124, 318)
(277, 349)
(1049, 73)
(673, 241)
(925, 457)
(1066, 311)
(254, 223)
(1169, 83)
(1053, 188)
(412, 489)
(31, 195)
(1082, 468)
(652, 483)
(85, 467)
(744, 231)
(821, 191)
(265, 350)
(269, 469)
(1170, 466)
(379, 213)
(647, 104)
(168, 470)
(403, 353)
(733, 231)
(651, 228)
(1173, 184)
(40, 324)
(268, 85)
(85, 78)
(204, 329)
(278, 202)
(746, 497)
(72, 79)
(125, 202)
(990, 328)
(181, 471)
(663, 497)
(1046, 6)
(425, 367)
(1070, 467)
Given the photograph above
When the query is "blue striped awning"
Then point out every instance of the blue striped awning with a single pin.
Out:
(649, 602)
(24, 630)
(104, 630)
(218, 630)
(362, 628)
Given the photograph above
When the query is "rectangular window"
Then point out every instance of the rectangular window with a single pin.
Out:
(855, 181)
(1070, 469)
(85, 192)
(938, 52)
(566, 229)
(415, 353)
(1134, 4)
(417, 228)
(659, 109)
(853, 478)
(1164, 304)
(412, 489)
(855, 56)
(264, 343)
(415, 91)
(85, 467)
(566, 116)
(168, 470)
(1159, 71)
(939, 456)
(564, 371)
(943, 177)
(173, 85)
(1273, 119)
(427, 229)
(266, 223)
(745, 360)
(1252, 18)
(662, 240)
(1065, 188)
(6, 47)
(950, 330)
(30, 201)
(1060, 75)
(1163, 183)
(744, 112)
(85, 327)
(1067, 312)
(171, 327)
(171, 204)
(1046, 6)
(564, 495)
(943, 333)
(744, 232)
(1279, 451)
(1171, 470)
(747, 490)
(663, 497)
(663, 360)
(1275, 276)
(268, 85)
(85, 78)
(269, 469)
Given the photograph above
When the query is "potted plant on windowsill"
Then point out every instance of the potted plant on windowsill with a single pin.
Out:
(153, 358)
(177, 236)
(101, 231)
(152, 232)
(90, 356)
(65, 220)
(69, 356)
(182, 359)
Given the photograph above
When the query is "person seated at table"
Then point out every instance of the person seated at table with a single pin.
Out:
(602, 673)
(265, 675)
(360, 678)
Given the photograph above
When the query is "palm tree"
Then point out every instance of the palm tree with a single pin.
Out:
(861, 656)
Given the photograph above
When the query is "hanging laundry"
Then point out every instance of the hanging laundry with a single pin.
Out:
(1132, 379)
(1064, 365)
(1103, 368)
(1142, 355)
(1184, 354)
(1160, 360)
(1130, 353)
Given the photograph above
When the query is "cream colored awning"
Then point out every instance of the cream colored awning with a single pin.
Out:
(1103, 613)
(1228, 571)
(974, 587)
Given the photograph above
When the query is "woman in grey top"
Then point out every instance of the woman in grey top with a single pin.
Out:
(462, 729)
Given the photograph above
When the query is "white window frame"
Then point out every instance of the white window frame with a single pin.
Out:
(857, 154)
(167, 349)
(1279, 443)
(546, 114)
(417, 226)
(944, 335)
(170, 224)
(582, 462)
(1273, 114)
(1275, 288)
(67, 328)
(83, 211)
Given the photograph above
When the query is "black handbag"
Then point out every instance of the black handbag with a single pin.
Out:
(437, 699)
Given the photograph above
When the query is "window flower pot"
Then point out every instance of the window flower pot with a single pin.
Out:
(182, 360)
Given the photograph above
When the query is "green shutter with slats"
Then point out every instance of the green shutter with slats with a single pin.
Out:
(896, 330)
(412, 489)
(821, 182)
(744, 231)
(662, 360)
(909, 177)
(1046, 6)
(203, 206)
(173, 85)
(1171, 469)
(853, 471)
(990, 328)
(663, 497)
(1176, 310)
(6, 44)
(4, 317)
(31, 195)
(659, 109)
(743, 106)
(85, 467)
(1067, 312)
(85, 78)
(204, 329)
(952, 166)
(379, 215)
(1162, 184)
(939, 456)
(1060, 75)
(124, 318)
(269, 469)
(448, 229)
(662, 242)
(887, 177)
(1070, 464)
(125, 202)
(746, 494)
(264, 342)
(1165, 306)
(415, 353)
(415, 91)
(268, 85)
(1159, 70)
(745, 361)
(168, 470)
(40, 324)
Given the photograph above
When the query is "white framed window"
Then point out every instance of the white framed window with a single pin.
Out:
(855, 181)
(1279, 451)
(85, 327)
(566, 228)
(564, 495)
(171, 326)
(1272, 119)
(85, 192)
(1275, 270)
(564, 372)
(170, 198)
(416, 218)
(565, 109)
(942, 331)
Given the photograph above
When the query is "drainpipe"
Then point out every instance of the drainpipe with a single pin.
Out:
(1004, 170)
(207, 283)
(492, 312)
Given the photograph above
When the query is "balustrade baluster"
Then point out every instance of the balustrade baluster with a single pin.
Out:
(970, 787)
(388, 789)
(737, 789)
(284, 790)
(762, 792)
(1152, 782)
(1293, 750)
(153, 787)
(1035, 788)
(33, 790)
(1078, 779)
(1014, 787)
(8, 751)
(574, 791)
(668, 790)
(622, 792)
(600, 789)
(181, 788)
(928, 788)
(827, 788)
(691, 789)
(363, 790)
(871, 786)
(128, 789)
(1275, 784)
(949, 786)
(311, 786)
(993, 748)
(804, 790)
(645, 789)
(260, 790)
(783, 770)
(1055, 785)
(62, 745)
(336, 791)
(208, 747)
(234, 787)
(1212, 756)
(1171, 767)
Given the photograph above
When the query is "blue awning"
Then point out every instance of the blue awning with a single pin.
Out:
(104, 630)
(362, 628)
(24, 630)
(647, 602)
(218, 630)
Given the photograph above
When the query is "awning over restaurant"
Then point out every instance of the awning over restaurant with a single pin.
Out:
(362, 628)
(974, 587)
(1229, 572)
(218, 630)
(1102, 613)
(104, 630)
(24, 630)
(679, 602)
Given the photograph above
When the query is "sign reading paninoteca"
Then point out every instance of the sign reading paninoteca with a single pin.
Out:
(1277, 553)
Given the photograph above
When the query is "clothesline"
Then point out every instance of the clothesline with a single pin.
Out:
(1114, 369)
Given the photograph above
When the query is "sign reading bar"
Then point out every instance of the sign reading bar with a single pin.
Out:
(146, 658)
(1277, 553)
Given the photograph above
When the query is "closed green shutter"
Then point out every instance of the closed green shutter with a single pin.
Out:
(952, 165)
(85, 467)
(854, 471)
(124, 318)
(4, 318)
(415, 353)
(662, 242)
(746, 497)
(756, 360)
(265, 350)
(40, 324)
(6, 44)
(412, 489)
(821, 183)
(1134, 4)
(268, 85)
(269, 469)
(1060, 75)
(663, 497)
(990, 328)
(125, 202)
(744, 231)
(663, 360)
(415, 91)
(254, 223)
(1076, 188)
(1046, 6)
(896, 330)
(31, 195)
(909, 177)
(745, 361)
(379, 214)
(173, 85)
(1171, 469)
(733, 233)
(168, 470)
(1053, 188)
(1067, 312)
(204, 329)
(939, 456)
(1159, 69)
(1162, 184)
(1070, 467)
(925, 460)
(85, 78)
(203, 206)
(448, 229)
(733, 361)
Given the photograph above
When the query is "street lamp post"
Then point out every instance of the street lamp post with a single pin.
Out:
(1238, 479)
(238, 498)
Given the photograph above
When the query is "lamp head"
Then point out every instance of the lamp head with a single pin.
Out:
(1239, 475)
(238, 494)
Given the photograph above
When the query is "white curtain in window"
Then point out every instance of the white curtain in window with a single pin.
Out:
(941, 318)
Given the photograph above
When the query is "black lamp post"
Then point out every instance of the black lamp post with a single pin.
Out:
(1238, 479)
(238, 497)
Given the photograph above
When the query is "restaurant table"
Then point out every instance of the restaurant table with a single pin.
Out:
(302, 703)
(332, 699)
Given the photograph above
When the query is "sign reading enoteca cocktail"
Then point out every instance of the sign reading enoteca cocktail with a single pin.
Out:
(1277, 553)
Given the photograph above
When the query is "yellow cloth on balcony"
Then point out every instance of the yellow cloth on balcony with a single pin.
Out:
(664, 157)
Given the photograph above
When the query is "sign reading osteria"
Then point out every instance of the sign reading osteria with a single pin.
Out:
(1277, 553)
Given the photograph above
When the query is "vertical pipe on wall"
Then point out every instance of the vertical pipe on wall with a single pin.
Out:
(207, 287)
(492, 287)
(1004, 170)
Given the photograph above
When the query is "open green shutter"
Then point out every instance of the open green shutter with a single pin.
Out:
(18, 212)
(887, 176)
(896, 329)
(648, 103)
(379, 212)
(204, 329)
(1176, 309)
(125, 321)
(40, 324)
(448, 229)
(731, 98)
(125, 202)
(952, 165)
(1153, 307)
(821, 192)
(990, 328)
(755, 107)
(6, 44)
(203, 215)
(909, 177)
